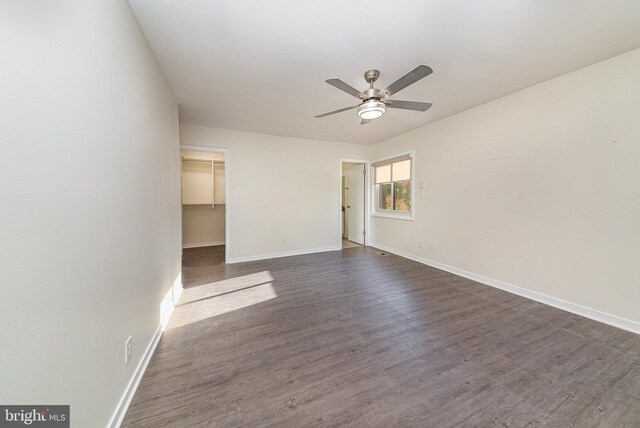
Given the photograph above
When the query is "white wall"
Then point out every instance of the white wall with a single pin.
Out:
(539, 189)
(281, 188)
(89, 202)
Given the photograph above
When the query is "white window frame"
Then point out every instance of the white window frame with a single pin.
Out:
(394, 214)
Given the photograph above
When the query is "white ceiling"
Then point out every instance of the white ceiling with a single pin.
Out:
(260, 66)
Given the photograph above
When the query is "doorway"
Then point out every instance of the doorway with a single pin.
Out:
(353, 216)
(204, 186)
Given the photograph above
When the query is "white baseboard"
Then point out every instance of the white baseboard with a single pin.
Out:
(166, 309)
(204, 244)
(125, 400)
(593, 314)
(283, 254)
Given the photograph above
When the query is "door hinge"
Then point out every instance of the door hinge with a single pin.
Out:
(364, 172)
(364, 232)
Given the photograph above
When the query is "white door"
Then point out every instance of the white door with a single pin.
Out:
(355, 203)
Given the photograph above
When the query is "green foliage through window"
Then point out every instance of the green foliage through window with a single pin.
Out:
(385, 198)
(402, 192)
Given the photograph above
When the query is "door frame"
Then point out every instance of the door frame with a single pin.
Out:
(227, 193)
(367, 198)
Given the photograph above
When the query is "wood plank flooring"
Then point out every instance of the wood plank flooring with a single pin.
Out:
(351, 338)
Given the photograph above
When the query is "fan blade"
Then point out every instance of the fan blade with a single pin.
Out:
(410, 78)
(408, 105)
(337, 111)
(365, 121)
(346, 88)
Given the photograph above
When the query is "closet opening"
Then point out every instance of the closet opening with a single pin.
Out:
(204, 188)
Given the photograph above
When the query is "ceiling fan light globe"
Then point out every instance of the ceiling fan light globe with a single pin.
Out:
(372, 114)
(371, 110)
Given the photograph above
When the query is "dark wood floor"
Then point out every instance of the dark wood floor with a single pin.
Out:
(352, 338)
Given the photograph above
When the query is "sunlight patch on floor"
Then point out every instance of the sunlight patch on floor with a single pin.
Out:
(217, 298)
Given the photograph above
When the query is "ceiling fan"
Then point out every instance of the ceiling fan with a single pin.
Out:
(375, 101)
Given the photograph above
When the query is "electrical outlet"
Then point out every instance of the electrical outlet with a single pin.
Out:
(421, 244)
(431, 248)
(128, 349)
(284, 241)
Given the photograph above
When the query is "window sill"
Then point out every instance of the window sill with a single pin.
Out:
(393, 215)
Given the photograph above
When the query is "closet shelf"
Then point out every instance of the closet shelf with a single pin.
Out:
(202, 181)
(202, 205)
(199, 160)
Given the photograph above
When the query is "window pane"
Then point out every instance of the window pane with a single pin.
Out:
(402, 196)
(384, 196)
(383, 174)
(402, 170)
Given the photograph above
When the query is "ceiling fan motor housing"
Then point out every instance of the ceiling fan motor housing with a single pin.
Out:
(372, 93)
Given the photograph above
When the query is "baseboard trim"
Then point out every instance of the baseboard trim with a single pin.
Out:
(574, 308)
(125, 400)
(166, 309)
(204, 244)
(283, 254)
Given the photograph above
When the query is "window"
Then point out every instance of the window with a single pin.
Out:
(393, 186)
